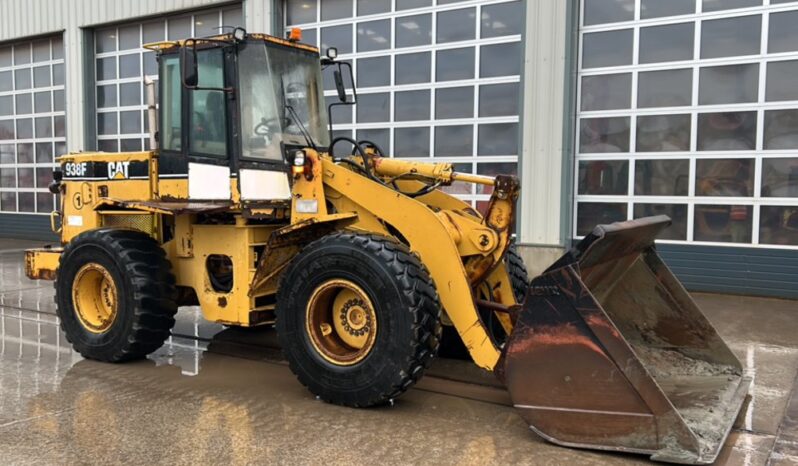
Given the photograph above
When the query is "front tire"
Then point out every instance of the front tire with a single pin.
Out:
(115, 294)
(358, 318)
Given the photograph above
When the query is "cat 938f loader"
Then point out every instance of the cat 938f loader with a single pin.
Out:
(246, 207)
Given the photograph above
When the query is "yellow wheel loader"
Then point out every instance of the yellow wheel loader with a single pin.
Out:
(247, 207)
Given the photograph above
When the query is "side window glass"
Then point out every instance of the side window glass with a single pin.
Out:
(208, 110)
(171, 123)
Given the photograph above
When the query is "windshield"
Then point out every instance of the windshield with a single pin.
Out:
(281, 97)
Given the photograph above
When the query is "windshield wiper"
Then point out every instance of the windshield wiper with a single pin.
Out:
(296, 118)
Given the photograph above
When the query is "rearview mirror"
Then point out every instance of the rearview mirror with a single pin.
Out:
(339, 85)
(188, 65)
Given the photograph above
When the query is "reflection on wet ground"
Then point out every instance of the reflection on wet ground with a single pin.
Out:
(216, 395)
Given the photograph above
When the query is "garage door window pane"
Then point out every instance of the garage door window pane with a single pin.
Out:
(503, 19)
(59, 126)
(153, 32)
(781, 129)
(372, 7)
(106, 68)
(412, 105)
(374, 35)
(6, 81)
(456, 25)
(454, 64)
(604, 135)
(41, 102)
(454, 141)
(717, 5)
(662, 177)
(778, 225)
(179, 28)
(24, 103)
(300, 11)
(608, 11)
(725, 177)
(668, 88)
(206, 24)
(590, 214)
(666, 43)
(497, 139)
(411, 142)
(780, 177)
(413, 31)
(499, 100)
(604, 177)
(606, 92)
(44, 127)
(58, 74)
(5, 56)
(129, 38)
(130, 122)
(728, 84)
(337, 36)
(372, 108)
(58, 100)
(663, 133)
(454, 102)
(408, 4)
(41, 76)
(8, 177)
(6, 105)
(374, 72)
(25, 153)
(22, 79)
(106, 123)
(727, 131)
(659, 8)
(412, 68)
(106, 96)
(381, 137)
(500, 60)
(780, 84)
(723, 223)
(783, 35)
(129, 66)
(129, 94)
(44, 152)
(335, 9)
(105, 40)
(24, 129)
(612, 48)
(7, 129)
(730, 37)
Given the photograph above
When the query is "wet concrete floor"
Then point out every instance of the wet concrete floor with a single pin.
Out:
(216, 395)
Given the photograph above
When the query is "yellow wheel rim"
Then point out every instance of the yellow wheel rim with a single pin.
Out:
(341, 322)
(94, 297)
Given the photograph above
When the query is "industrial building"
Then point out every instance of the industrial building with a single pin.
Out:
(606, 109)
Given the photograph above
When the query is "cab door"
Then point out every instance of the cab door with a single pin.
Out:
(208, 139)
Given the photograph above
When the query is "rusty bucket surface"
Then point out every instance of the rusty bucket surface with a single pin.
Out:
(610, 352)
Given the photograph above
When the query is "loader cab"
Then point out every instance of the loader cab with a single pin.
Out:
(232, 112)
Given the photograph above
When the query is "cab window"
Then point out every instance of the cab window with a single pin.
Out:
(208, 111)
(171, 124)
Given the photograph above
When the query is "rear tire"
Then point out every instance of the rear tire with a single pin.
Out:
(115, 294)
(381, 283)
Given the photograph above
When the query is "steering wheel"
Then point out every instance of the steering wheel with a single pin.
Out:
(265, 127)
